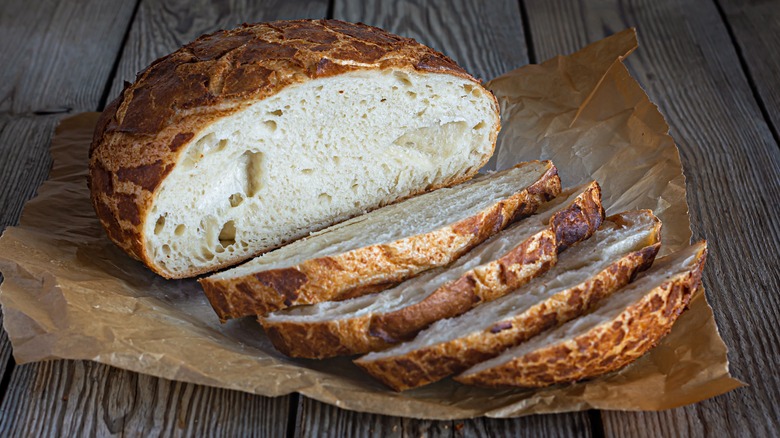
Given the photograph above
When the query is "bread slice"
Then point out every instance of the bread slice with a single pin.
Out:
(490, 270)
(619, 331)
(624, 245)
(376, 250)
(249, 138)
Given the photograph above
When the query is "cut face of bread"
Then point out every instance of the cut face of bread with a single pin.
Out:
(311, 155)
(374, 251)
(249, 138)
(620, 330)
(591, 270)
(504, 262)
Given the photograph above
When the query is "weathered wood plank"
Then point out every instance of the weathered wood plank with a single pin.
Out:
(70, 398)
(690, 69)
(163, 26)
(24, 146)
(487, 39)
(77, 398)
(756, 27)
(58, 55)
(319, 419)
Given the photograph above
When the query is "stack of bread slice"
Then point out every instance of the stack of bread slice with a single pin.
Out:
(506, 261)
(383, 247)
(503, 280)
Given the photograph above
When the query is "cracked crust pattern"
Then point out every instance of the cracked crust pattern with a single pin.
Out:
(608, 346)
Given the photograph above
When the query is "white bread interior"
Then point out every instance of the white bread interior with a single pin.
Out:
(314, 154)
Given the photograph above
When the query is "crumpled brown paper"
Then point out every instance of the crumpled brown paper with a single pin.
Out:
(70, 293)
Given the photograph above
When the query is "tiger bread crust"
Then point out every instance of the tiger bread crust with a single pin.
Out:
(169, 115)
(508, 260)
(620, 330)
(625, 244)
(384, 247)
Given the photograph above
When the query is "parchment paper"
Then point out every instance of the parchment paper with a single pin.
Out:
(70, 293)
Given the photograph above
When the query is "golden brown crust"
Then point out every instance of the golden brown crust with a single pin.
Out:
(366, 269)
(141, 134)
(427, 365)
(372, 332)
(606, 347)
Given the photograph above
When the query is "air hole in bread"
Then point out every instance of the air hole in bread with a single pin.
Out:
(307, 171)
(270, 125)
(430, 141)
(253, 162)
(324, 198)
(236, 199)
(355, 187)
(159, 225)
(403, 78)
(166, 249)
(479, 126)
(278, 112)
(180, 229)
(227, 235)
(411, 94)
(196, 153)
(222, 145)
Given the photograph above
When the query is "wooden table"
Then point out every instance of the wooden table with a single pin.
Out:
(712, 66)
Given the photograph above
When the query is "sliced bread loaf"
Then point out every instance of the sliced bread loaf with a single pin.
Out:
(504, 262)
(249, 138)
(376, 250)
(620, 330)
(625, 244)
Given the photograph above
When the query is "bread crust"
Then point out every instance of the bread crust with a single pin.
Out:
(141, 134)
(602, 349)
(320, 339)
(426, 365)
(375, 267)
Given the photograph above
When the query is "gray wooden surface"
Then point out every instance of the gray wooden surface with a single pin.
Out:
(711, 66)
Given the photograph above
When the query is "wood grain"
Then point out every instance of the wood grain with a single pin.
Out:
(58, 55)
(485, 38)
(24, 146)
(163, 26)
(77, 398)
(756, 27)
(689, 68)
(321, 420)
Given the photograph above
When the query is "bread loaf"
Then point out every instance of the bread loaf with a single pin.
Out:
(506, 261)
(381, 248)
(624, 245)
(620, 330)
(246, 139)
